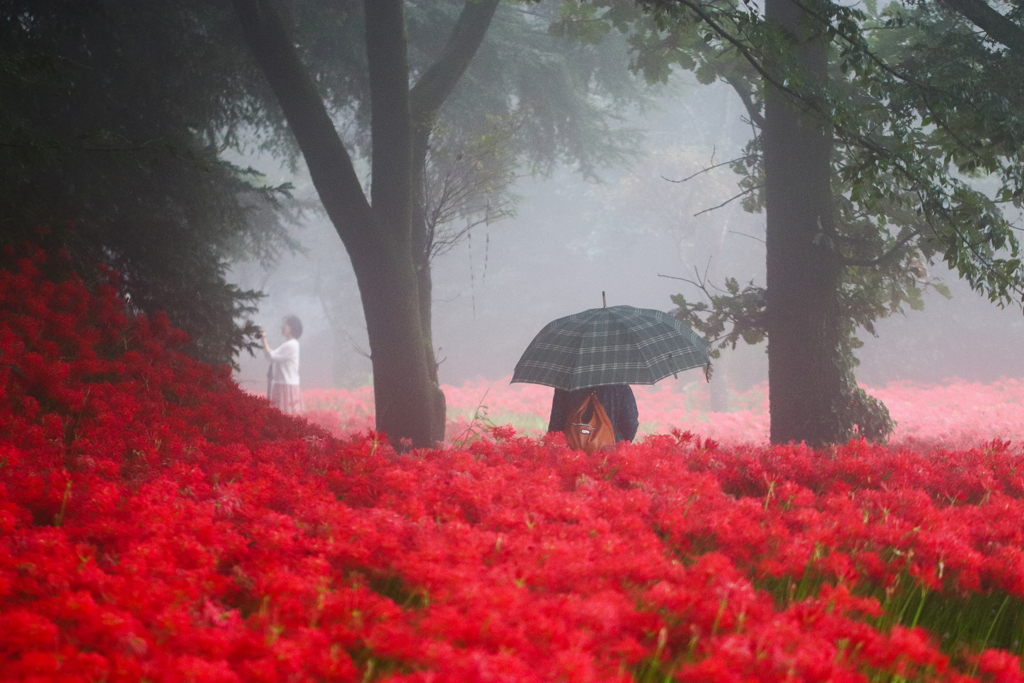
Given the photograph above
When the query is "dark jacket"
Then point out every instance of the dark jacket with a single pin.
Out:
(616, 399)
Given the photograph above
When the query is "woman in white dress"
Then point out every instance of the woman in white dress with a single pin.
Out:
(285, 394)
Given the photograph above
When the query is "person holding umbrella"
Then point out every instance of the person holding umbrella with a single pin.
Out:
(600, 352)
(616, 399)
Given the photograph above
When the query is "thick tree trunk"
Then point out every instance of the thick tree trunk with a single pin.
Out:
(377, 238)
(404, 394)
(805, 376)
(403, 391)
(380, 239)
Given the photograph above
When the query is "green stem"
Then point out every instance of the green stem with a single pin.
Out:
(920, 605)
(906, 604)
(64, 504)
(718, 618)
(992, 626)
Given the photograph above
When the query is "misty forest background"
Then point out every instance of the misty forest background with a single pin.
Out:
(572, 238)
(554, 151)
(566, 236)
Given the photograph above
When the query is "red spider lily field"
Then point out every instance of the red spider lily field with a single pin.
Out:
(157, 523)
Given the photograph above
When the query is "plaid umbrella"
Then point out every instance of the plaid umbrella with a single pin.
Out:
(616, 345)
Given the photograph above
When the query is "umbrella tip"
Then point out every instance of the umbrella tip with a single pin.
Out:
(604, 300)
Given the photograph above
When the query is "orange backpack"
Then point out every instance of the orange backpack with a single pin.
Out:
(589, 428)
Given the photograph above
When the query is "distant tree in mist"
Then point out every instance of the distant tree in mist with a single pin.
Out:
(878, 134)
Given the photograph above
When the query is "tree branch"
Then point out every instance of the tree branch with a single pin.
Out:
(710, 168)
(998, 27)
(433, 88)
(743, 234)
(813, 108)
(746, 95)
(730, 199)
(390, 192)
(430, 93)
(330, 166)
(887, 256)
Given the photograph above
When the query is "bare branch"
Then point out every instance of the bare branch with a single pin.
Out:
(358, 349)
(700, 283)
(465, 181)
(743, 234)
(730, 199)
(997, 26)
(710, 168)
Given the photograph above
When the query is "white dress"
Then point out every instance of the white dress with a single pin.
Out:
(285, 394)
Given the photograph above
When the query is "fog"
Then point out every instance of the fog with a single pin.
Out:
(573, 238)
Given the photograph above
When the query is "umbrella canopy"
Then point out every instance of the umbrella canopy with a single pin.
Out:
(616, 345)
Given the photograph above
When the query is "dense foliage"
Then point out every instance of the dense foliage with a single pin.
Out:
(922, 105)
(111, 134)
(160, 524)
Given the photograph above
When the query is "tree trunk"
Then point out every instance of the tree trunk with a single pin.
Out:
(383, 242)
(421, 246)
(805, 374)
(404, 395)
(377, 238)
(425, 291)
